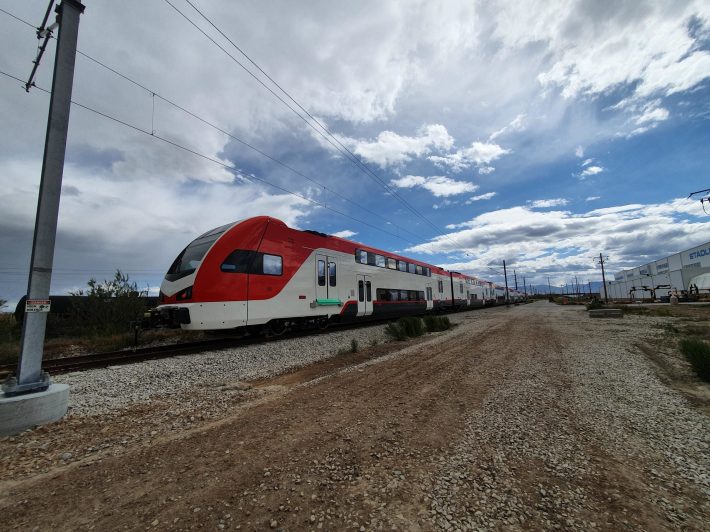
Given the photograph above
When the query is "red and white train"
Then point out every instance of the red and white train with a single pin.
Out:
(261, 274)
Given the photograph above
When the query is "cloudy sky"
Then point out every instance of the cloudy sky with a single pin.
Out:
(539, 132)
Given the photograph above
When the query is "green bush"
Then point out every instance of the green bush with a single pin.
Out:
(412, 326)
(353, 346)
(108, 307)
(437, 323)
(394, 331)
(698, 354)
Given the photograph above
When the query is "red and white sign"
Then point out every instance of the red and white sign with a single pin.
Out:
(37, 305)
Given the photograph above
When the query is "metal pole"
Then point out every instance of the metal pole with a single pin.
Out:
(549, 286)
(525, 288)
(505, 274)
(590, 288)
(601, 260)
(516, 279)
(30, 377)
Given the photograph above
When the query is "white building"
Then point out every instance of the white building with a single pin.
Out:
(675, 273)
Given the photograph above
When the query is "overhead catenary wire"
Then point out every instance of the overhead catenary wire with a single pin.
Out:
(325, 133)
(348, 154)
(249, 177)
(273, 159)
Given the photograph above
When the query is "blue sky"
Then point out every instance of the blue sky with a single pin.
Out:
(542, 133)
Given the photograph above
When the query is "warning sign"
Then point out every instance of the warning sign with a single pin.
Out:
(37, 305)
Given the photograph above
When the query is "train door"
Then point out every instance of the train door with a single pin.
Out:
(364, 295)
(326, 278)
(429, 297)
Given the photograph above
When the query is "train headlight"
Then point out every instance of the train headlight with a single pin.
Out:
(185, 294)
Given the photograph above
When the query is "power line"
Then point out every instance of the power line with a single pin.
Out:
(342, 149)
(233, 137)
(236, 171)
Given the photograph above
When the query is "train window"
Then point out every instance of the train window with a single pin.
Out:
(361, 291)
(401, 266)
(391, 263)
(379, 261)
(394, 295)
(272, 265)
(368, 285)
(404, 295)
(361, 256)
(420, 270)
(331, 274)
(239, 261)
(461, 288)
(412, 267)
(371, 259)
(441, 286)
(421, 297)
(321, 273)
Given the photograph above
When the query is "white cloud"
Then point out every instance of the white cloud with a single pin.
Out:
(652, 114)
(345, 233)
(517, 124)
(485, 170)
(592, 198)
(390, 149)
(481, 197)
(550, 242)
(438, 185)
(555, 202)
(591, 170)
(587, 162)
(579, 152)
(479, 153)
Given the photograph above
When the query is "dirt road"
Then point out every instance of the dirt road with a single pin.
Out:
(522, 418)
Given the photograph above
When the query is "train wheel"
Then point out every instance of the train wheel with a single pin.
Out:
(322, 323)
(277, 327)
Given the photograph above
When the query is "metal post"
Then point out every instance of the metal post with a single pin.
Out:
(549, 286)
(601, 261)
(590, 288)
(30, 377)
(505, 274)
(515, 277)
(525, 288)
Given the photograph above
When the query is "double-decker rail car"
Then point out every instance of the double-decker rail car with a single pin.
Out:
(261, 274)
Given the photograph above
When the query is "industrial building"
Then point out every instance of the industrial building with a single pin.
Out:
(687, 272)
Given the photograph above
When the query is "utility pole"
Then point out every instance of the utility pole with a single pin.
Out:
(601, 261)
(505, 274)
(516, 279)
(525, 288)
(30, 377)
(549, 286)
(590, 288)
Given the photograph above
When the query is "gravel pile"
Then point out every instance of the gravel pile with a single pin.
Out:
(101, 390)
(568, 407)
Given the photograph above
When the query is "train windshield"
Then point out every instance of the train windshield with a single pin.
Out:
(190, 258)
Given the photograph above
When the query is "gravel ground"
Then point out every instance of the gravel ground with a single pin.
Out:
(533, 417)
(99, 391)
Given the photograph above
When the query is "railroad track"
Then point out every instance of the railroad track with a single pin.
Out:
(56, 366)
(127, 356)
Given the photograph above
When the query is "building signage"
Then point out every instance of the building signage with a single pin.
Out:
(693, 255)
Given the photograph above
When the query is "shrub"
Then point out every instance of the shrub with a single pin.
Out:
(353, 346)
(437, 323)
(412, 326)
(595, 304)
(394, 331)
(698, 354)
(108, 307)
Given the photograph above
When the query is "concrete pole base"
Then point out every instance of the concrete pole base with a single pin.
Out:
(22, 412)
